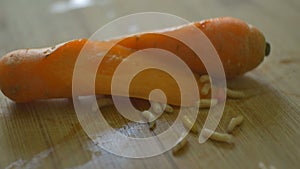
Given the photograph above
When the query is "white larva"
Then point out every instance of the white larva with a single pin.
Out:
(216, 136)
(150, 118)
(205, 89)
(234, 94)
(156, 107)
(204, 79)
(179, 145)
(234, 122)
(188, 124)
(207, 103)
(261, 165)
(168, 108)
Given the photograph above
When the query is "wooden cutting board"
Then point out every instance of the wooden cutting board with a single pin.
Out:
(47, 134)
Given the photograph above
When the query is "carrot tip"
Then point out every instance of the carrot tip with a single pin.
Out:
(268, 49)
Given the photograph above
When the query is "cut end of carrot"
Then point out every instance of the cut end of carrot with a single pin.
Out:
(268, 49)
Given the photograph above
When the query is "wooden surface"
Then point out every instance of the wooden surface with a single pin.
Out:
(47, 134)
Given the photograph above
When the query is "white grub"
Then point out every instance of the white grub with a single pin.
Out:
(261, 165)
(168, 108)
(204, 79)
(188, 124)
(216, 136)
(234, 94)
(156, 107)
(207, 103)
(205, 89)
(150, 118)
(234, 122)
(102, 102)
(180, 144)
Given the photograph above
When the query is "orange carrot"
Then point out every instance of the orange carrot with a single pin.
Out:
(241, 47)
(31, 74)
(27, 75)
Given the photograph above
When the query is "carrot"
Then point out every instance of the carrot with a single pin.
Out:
(241, 47)
(31, 74)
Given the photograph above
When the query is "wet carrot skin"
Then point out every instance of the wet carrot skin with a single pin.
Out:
(240, 46)
(27, 75)
(42, 76)
(28, 79)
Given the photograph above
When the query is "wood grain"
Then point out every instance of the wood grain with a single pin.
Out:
(47, 134)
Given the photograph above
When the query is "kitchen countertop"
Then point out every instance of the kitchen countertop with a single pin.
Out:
(47, 134)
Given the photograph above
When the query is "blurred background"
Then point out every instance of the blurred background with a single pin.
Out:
(33, 23)
(47, 135)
